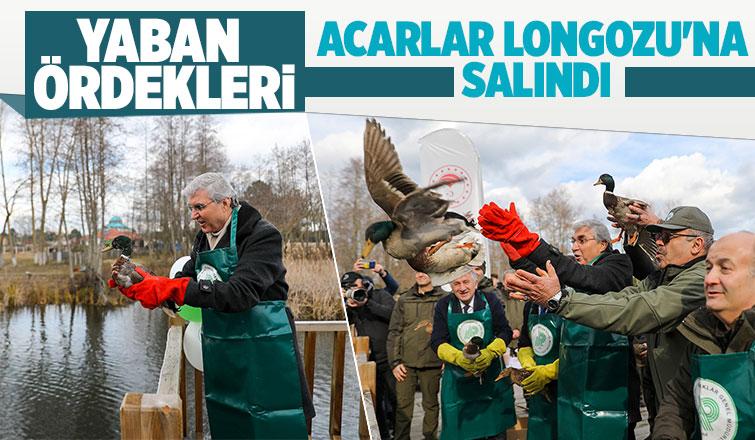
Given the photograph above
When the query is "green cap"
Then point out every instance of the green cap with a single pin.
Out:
(684, 217)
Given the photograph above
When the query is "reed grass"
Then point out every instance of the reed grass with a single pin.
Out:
(312, 280)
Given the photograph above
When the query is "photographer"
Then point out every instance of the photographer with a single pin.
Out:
(369, 309)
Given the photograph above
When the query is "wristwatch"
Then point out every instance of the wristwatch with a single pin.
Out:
(555, 301)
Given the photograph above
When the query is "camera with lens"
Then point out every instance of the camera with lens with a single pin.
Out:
(358, 294)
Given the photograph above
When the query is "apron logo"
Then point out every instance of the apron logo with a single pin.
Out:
(542, 339)
(469, 329)
(715, 409)
(208, 273)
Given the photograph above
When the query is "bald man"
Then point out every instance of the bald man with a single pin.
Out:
(712, 389)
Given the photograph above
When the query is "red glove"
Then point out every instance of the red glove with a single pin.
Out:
(510, 252)
(153, 291)
(505, 226)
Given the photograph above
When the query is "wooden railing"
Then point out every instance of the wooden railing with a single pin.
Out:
(162, 415)
(368, 383)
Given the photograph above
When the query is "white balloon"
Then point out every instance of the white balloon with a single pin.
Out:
(178, 265)
(193, 344)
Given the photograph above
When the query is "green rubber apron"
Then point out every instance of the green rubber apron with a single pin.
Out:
(723, 387)
(545, 333)
(251, 377)
(592, 395)
(471, 409)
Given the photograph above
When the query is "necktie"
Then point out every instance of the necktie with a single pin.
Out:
(466, 308)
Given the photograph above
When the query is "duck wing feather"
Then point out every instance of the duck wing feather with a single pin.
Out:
(386, 181)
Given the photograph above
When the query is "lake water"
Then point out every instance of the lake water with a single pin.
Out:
(65, 369)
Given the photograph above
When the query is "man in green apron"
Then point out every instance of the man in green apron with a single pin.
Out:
(473, 404)
(538, 352)
(589, 402)
(711, 395)
(655, 307)
(254, 381)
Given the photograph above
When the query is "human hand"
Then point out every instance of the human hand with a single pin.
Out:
(541, 376)
(506, 226)
(399, 372)
(508, 277)
(379, 270)
(538, 287)
(642, 215)
(483, 361)
(355, 304)
(153, 290)
(498, 224)
(641, 350)
(515, 333)
(359, 264)
(510, 251)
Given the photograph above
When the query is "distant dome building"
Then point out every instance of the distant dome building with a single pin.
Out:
(116, 227)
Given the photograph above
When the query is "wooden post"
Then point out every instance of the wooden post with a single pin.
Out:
(367, 380)
(310, 351)
(336, 384)
(364, 430)
(361, 348)
(198, 397)
(182, 392)
(151, 416)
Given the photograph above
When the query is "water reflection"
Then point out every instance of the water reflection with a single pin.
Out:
(64, 370)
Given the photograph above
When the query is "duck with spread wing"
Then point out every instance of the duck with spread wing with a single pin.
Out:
(421, 230)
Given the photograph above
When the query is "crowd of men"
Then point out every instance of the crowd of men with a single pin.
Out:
(594, 333)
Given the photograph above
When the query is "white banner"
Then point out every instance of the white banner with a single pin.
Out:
(448, 155)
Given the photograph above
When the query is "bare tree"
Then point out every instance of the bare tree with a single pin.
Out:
(94, 169)
(63, 173)
(554, 215)
(9, 199)
(44, 139)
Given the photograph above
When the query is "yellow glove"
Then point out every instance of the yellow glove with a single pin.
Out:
(541, 376)
(494, 350)
(447, 353)
(526, 357)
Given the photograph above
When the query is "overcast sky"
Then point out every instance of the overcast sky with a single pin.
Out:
(245, 136)
(518, 163)
(522, 163)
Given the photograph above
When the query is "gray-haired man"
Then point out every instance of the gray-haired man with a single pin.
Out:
(655, 307)
(254, 381)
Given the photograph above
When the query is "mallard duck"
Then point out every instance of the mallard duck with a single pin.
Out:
(125, 274)
(420, 229)
(518, 375)
(618, 208)
(472, 348)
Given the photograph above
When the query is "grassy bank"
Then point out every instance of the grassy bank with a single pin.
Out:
(313, 286)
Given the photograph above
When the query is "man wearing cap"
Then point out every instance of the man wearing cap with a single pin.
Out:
(470, 333)
(369, 309)
(655, 307)
(712, 389)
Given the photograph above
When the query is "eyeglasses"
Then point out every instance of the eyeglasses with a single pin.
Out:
(666, 236)
(199, 207)
(581, 240)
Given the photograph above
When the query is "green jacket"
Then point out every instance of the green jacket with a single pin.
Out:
(677, 417)
(410, 329)
(656, 306)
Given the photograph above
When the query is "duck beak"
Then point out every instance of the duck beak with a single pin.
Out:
(107, 247)
(368, 245)
(597, 182)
